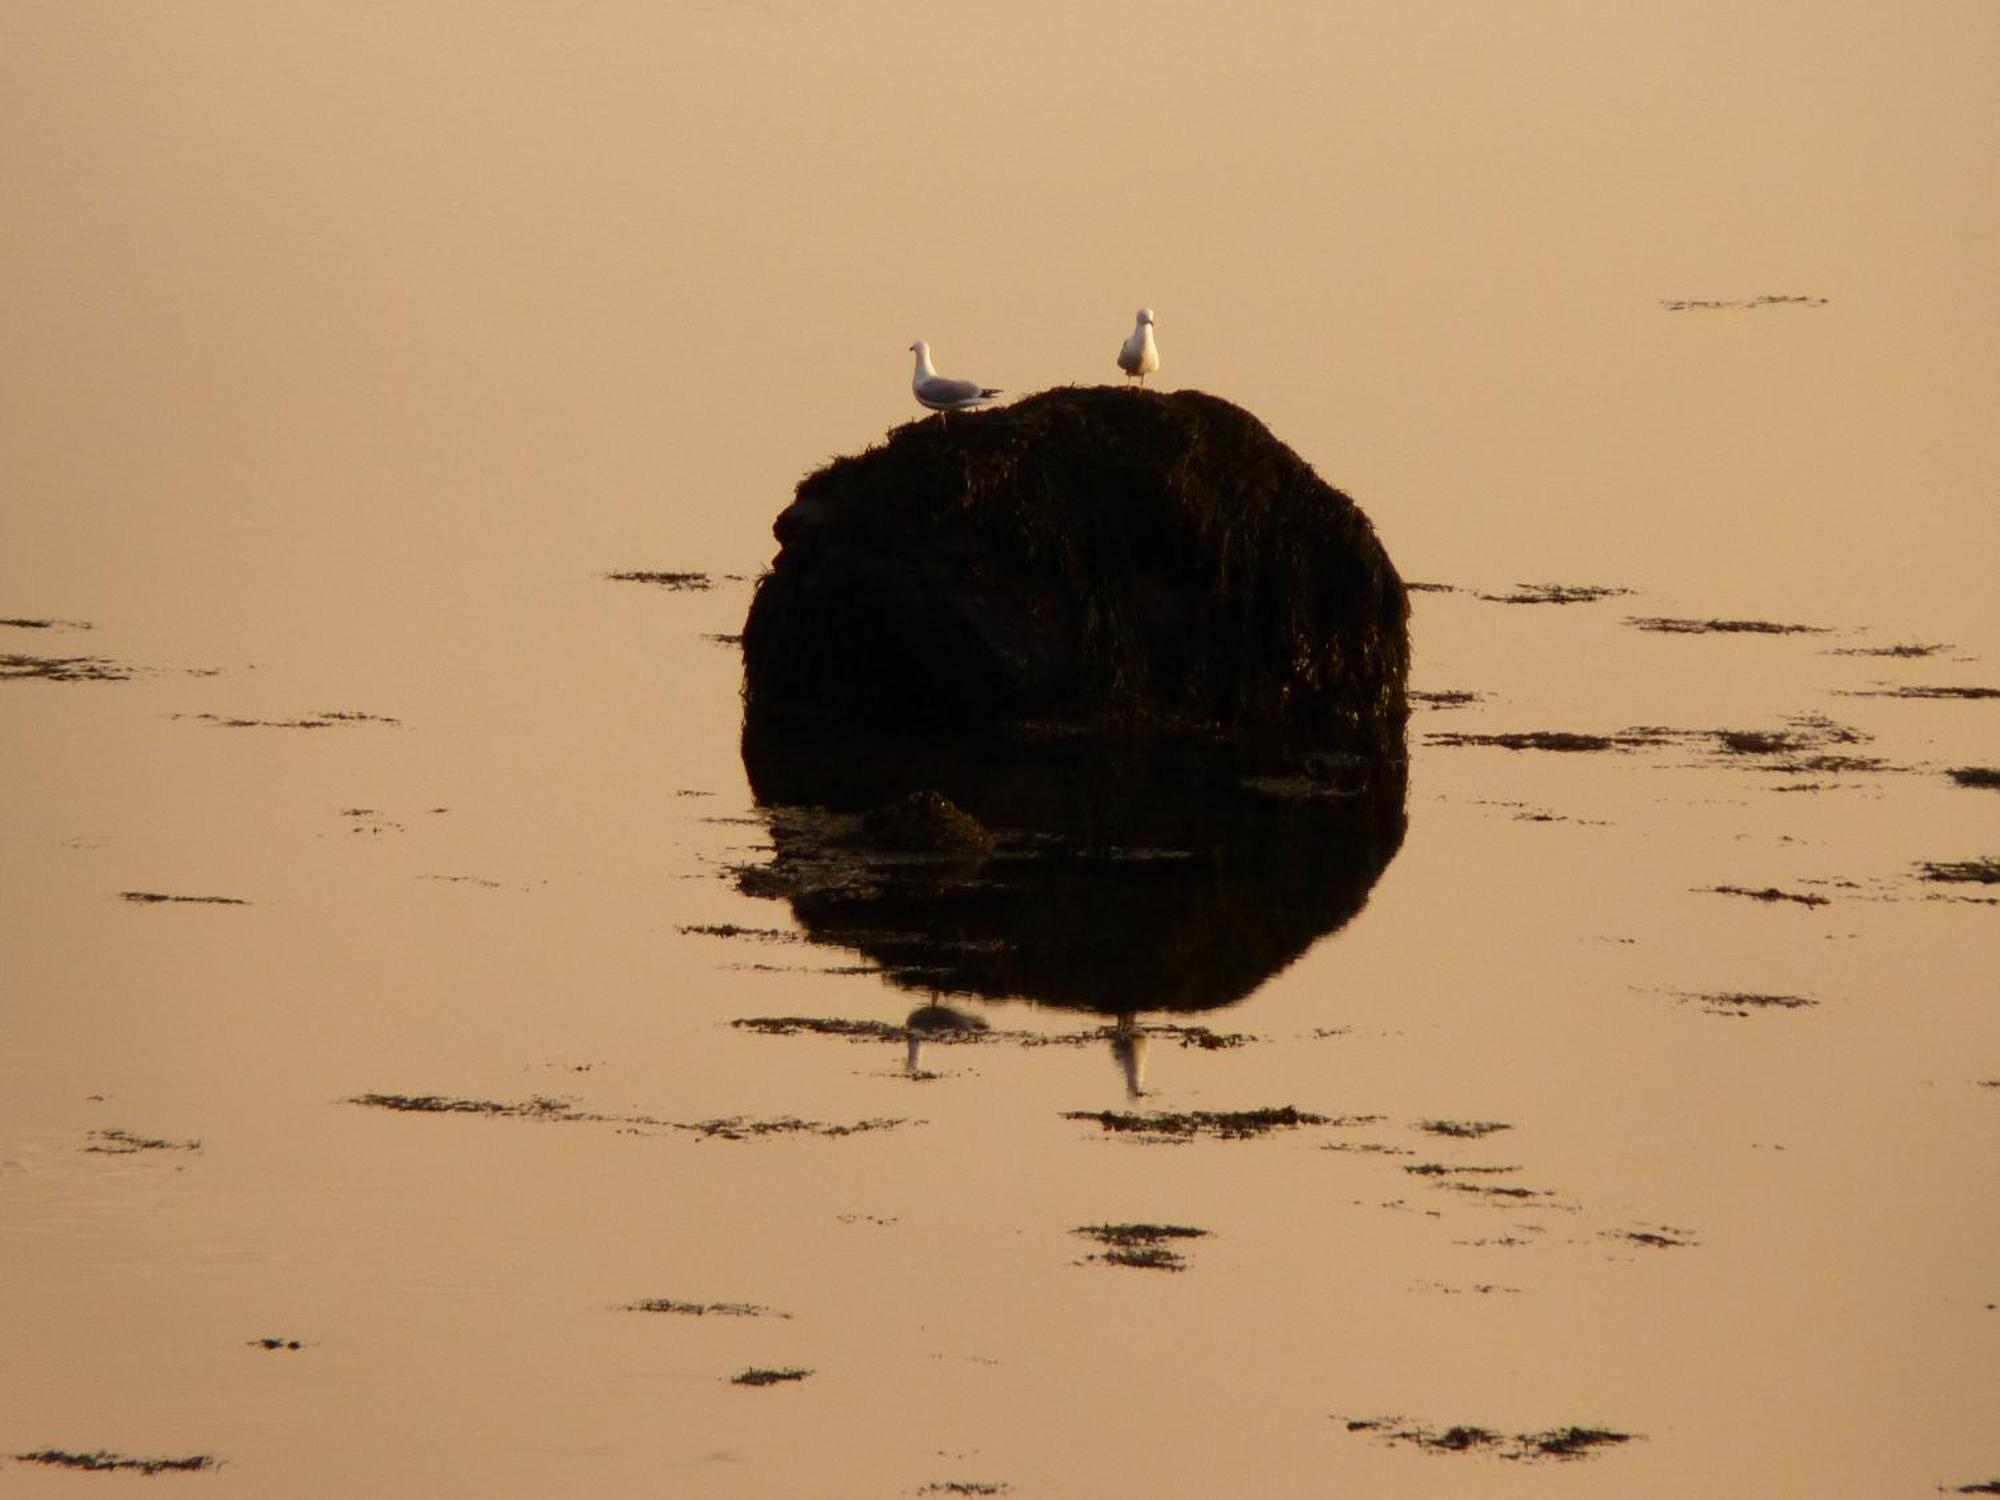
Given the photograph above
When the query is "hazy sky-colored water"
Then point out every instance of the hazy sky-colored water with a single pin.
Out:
(414, 280)
(343, 349)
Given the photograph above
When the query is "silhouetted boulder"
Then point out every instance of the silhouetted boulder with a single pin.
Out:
(1094, 559)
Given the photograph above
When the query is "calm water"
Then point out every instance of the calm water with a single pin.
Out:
(346, 350)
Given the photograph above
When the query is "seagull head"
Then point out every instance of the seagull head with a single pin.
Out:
(1145, 315)
(920, 347)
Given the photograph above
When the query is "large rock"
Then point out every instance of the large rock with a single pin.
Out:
(1095, 559)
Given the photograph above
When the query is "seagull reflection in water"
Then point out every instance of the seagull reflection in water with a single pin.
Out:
(1129, 1045)
(934, 1020)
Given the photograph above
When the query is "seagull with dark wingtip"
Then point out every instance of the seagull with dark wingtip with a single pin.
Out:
(941, 393)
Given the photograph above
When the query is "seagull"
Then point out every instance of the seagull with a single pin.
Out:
(1140, 356)
(940, 393)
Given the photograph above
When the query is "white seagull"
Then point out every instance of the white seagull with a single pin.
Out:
(939, 392)
(1140, 356)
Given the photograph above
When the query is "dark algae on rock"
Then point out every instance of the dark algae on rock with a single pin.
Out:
(1095, 558)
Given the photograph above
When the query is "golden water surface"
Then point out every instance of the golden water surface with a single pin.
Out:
(345, 349)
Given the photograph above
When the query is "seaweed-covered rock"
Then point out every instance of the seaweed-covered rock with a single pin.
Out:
(1092, 558)
(927, 822)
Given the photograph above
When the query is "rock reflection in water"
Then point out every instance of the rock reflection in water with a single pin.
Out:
(1116, 881)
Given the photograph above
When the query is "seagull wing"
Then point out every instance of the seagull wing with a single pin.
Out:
(942, 391)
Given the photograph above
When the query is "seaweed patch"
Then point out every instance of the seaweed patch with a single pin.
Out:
(679, 582)
(1555, 593)
(757, 1376)
(1145, 1246)
(1655, 1237)
(1560, 1443)
(1769, 893)
(1984, 871)
(1741, 304)
(1464, 1130)
(103, 1462)
(1980, 776)
(731, 930)
(1440, 1169)
(125, 1143)
(1564, 740)
(1929, 692)
(1908, 649)
(1667, 625)
(1228, 1125)
(62, 668)
(702, 1309)
(324, 719)
(729, 1127)
(158, 898)
(1742, 1002)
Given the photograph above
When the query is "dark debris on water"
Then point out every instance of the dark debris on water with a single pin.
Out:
(703, 1309)
(1550, 739)
(937, 1023)
(1984, 871)
(1228, 1125)
(1743, 1002)
(1667, 625)
(329, 718)
(1561, 1443)
(1980, 776)
(1769, 893)
(1920, 691)
(125, 1143)
(62, 668)
(1445, 698)
(1555, 593)
(728, 1127)
(156, 898)
(757, 1376)
(1741, 304)
(1463, 1129)
(1906, 649)
(1656, 1237)
(103, 1462)
(1143, 1246)
(680, 582)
